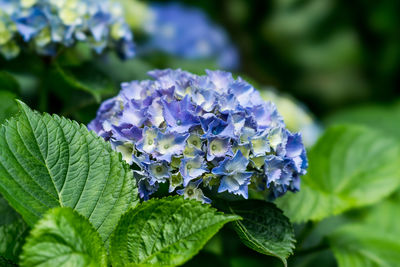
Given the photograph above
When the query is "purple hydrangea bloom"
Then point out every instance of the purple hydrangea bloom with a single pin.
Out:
(47, 24)
(235, 178)
(197, 132)
(187, 32)
(192, 191)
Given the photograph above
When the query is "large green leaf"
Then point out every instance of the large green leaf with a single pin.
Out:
(164, 232)
(372, 239)
(350, 167)
(8, 83)
(382, 118)
(360, 246)
(384, 215)
(13, 231)
(8, 106)
(120, 70)
(47, 161)
(84, 78)
(160, 60)
(63, 238)
(264, 228)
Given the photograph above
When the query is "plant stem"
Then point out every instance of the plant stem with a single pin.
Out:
(43, 89)
(48, 63)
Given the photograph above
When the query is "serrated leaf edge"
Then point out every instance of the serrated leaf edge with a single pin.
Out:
(262, 249)
(230, 218)
(32, 232)
(107, 146)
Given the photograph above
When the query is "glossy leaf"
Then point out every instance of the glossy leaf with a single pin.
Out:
(47, 161)
(63, 238)
(360, 246)
(264, 228)
(350, 167)
(8, 106)
(164, 232)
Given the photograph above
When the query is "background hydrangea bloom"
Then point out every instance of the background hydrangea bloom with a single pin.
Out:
(188, 32)
(46, 24)
(297, 117)
(196, 132)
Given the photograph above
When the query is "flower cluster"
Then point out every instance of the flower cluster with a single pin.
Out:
(46, 24)
(197, 132)
(188, 33)
(296, 115)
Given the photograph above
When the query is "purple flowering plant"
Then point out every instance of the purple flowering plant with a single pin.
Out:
(47, 25)
(168, 31)
(172, 157)
(197, 133)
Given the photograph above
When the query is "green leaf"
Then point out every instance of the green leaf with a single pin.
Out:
(164, 232)
(264, 228)
(374, 116)
(361, 245)
(8, 106)
(12, 237)
(13, 231)
(372, 239)
(63, 238)
(350, 167)
(83, 78)
(160, 60)
(8, 215)
(8, 83)
(47, 161)
(123, 70)
(196, 66)
(382, 215)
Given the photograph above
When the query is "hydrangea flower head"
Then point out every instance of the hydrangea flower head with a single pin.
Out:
(188, 33)
(47, 24)
(196, 132)
(297, 117)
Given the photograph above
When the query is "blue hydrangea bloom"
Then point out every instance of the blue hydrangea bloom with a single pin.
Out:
(188, 33)
(297, 117)
(192, 191)
(197, 132)
(235, 178)
(47, 24)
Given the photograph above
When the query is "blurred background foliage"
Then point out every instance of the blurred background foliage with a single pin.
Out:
(341, 59)
(328, 54)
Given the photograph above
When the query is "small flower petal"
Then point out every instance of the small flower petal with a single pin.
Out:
(192, 168)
